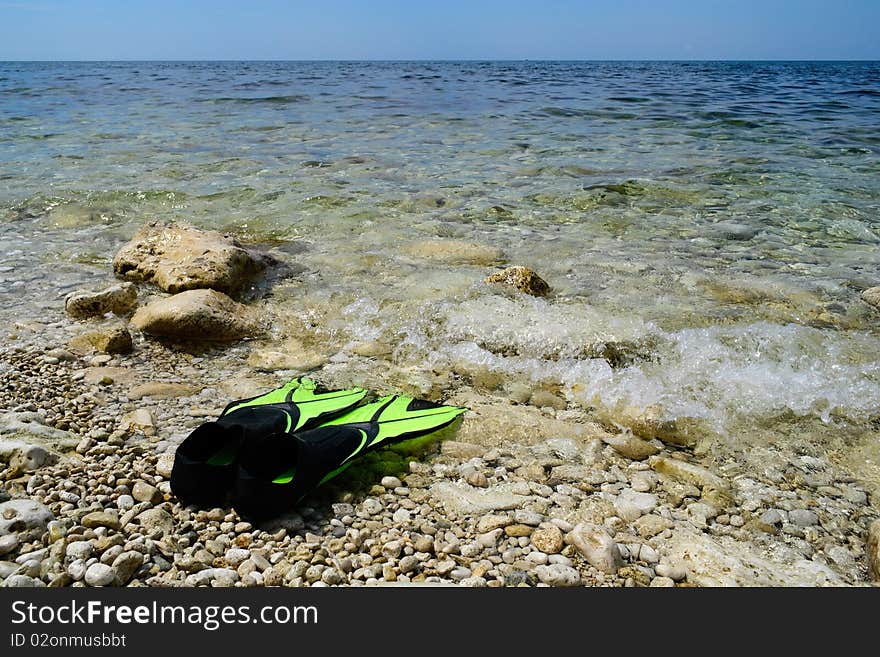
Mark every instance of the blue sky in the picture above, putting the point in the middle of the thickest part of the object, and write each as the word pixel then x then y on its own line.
pixel 451 29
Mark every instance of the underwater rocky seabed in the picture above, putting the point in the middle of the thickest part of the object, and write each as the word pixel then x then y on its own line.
pixel 707 251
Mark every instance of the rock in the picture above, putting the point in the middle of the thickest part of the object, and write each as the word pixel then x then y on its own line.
pixel 196 315
pixel 23 516
pixel 731 230
pixel 651 422
pixel 548 539
pixel 100 574
pixel 119 299
pixel 79 550
pixel 28 428
pixel 596 546
pixel 112 339
pixel 628 445
pixel 126 565
pixel 872 296
pixel 476 478
pixel 690 473
pixel 8 544
pixel 631 505
pixel 153 519
pixel 460 450
pixel 674 572
pixel 558 575
pixel 22 457
pixel 162 390
pixel 803 518
pixel 165 464
pixel 109 519
pixel 455 252
pixel 144 492
pixel 7 568
pixel 873 550
pixel 400 516
pixel 464 499
pixel 236 556
pixel 372 506
pixel 223 576
pixel 372 349
pixel 770 520
pixel 518 530
pixel 108 375
pixel 391 482
pixel 648 554
pixel 180 258
pixel 408 564
pixel 289 354
pixel 521 278
pixel 569 472
pixel 490 522
pixel 662 582
pixel 544 399
pixel 725 561
pixel 21 581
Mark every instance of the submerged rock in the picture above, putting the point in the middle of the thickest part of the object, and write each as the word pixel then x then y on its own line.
pixel 725 562
pixel 522 278
pixel 118 299
pixel 196 315
pixel 630 446
pixel 179 258
pixel 465 499
pixel 455 252
pixel 872 296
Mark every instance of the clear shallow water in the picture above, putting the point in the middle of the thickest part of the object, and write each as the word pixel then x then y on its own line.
pixel 716 219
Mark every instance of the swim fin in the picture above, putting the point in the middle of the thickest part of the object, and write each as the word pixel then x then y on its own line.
pixel 205 463
pixel 276 470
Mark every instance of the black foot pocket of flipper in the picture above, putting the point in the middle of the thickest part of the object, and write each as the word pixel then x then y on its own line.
pixel 204 465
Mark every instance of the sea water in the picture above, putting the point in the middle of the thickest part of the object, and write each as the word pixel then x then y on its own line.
pixel 710 225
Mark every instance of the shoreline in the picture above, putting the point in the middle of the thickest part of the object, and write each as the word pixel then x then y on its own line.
pixel 468 514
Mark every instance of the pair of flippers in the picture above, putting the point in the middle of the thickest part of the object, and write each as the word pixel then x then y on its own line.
pixel 270 451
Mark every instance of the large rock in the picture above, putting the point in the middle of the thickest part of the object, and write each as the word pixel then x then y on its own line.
pixel 727 562
pixel 179 258
pixel 874 550
pixel 23 515
pixel 468 500
pixel 521 278
pixel 196 315
pixel 28 427
pixel 22 457
pixel 118 299
pixel 596 546
pixel 872 296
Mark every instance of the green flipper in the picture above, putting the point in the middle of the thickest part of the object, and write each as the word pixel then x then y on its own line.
pixel 205 464
pixel 305 403
pixel 276 471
